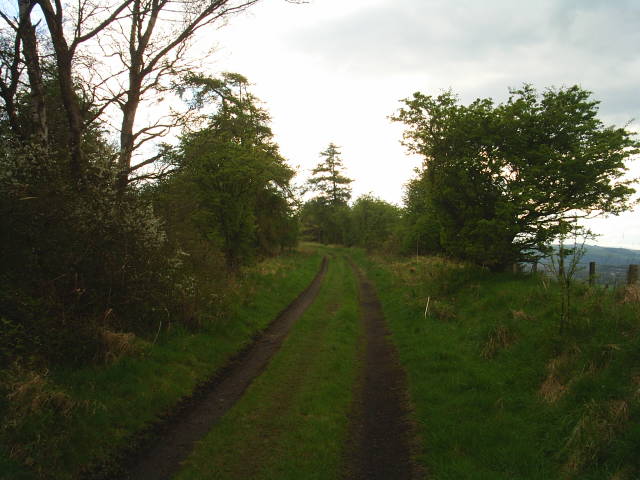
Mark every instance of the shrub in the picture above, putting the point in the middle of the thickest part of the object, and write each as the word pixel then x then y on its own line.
pixel 72 255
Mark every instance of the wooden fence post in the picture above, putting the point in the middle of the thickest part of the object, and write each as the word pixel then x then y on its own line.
pixel 592 273
pixel 632 275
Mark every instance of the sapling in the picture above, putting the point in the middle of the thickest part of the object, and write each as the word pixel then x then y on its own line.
pixel 565 263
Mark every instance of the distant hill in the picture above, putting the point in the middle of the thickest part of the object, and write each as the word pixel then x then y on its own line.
pixel 611 263
pixel 610 256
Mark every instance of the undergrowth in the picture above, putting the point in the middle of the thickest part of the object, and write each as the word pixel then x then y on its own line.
pixel 500 393
pixel 57 423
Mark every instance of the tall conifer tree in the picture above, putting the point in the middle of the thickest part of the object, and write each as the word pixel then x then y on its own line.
pixel 327 179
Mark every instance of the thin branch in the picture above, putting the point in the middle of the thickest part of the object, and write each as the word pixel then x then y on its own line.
pixel 9 21
pixel 108 21
pixel 148 161
pixel 200 21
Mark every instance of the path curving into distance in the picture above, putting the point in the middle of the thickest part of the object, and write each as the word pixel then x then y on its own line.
pixel 381 435
pixel 175 442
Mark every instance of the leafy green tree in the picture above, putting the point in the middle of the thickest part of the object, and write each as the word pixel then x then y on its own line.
pixel 233 177
pixel 420 233
pixel 84 250
pixel 375 222
pixel 502 181
pixel 324 223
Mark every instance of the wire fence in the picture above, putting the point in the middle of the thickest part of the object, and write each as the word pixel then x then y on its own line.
pixel 598 273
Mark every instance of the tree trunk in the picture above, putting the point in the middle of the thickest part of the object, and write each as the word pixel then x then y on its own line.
pixel 27 33
pixel 129 111
pixel 137 45
pixel 10 108
pixel 64 60
pixel 126 142
pixel 8 93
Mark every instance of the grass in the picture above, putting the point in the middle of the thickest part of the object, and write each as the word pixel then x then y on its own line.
pixel 498 392
pixel 292 421
pixel 57 423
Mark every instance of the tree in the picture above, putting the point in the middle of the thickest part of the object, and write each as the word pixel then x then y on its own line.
pixel 232 175
pixel 324 223
pixel 151 51
pixel 85 250
pixel 64 51
pixel 19 50
pixel 326 217
pixel 564 264
pixel 419 226
pixel 374 222
pixel 148 38
pixel 502 181
pixel 327 179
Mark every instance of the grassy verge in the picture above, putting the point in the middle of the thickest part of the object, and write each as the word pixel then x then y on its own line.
pixel 498 392
pixel 292 421
pixel 59 422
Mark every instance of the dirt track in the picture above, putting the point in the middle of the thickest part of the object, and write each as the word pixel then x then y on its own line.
pixel 381 435
pixel 162 458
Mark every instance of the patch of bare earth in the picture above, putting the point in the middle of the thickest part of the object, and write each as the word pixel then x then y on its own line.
pixel 381 434
pixel 171 442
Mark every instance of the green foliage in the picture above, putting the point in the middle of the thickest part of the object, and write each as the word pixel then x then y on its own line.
pixel 327 179
pixel 75 260
pixel 375 223
pixel 421 233
pixel 498 393
pixel 231 183
pixel 501 181
pixel 61 420
pixel 325 223
pixel 85 257
pixel 326 217
pixel 565 262
pixel 90 272
pixel 77 257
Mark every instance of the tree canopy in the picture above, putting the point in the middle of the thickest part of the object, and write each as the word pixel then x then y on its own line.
pixel 500 181
pixel 233 175
pixel 375 222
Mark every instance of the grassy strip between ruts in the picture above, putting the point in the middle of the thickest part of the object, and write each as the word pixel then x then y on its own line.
pixel 498 392
pixel 292 421
pixel 66 419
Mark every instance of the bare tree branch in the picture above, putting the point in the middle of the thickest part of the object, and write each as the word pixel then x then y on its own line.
pixel 95 31
pixel 149 56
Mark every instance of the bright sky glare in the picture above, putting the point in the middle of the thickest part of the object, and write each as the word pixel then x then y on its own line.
pixel 333 71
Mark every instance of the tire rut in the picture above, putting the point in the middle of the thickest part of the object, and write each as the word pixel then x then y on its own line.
pixel 381 435
pixel 162 456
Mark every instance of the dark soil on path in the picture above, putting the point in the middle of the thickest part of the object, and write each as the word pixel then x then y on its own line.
pixel 171 442
pixel 381 435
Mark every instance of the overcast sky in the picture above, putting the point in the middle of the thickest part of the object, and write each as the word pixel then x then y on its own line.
pixel 334 70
